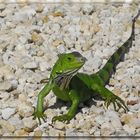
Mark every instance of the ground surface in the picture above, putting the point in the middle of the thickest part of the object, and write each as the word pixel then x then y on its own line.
pixel 32 35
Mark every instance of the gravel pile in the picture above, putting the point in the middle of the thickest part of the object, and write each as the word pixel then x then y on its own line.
pixel 31 37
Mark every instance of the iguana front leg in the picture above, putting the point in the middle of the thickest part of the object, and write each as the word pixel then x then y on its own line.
pixel 109 97
pixel 38 113
pixel 72 111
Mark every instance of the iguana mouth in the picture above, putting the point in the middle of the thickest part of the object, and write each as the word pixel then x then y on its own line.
pixel 63 79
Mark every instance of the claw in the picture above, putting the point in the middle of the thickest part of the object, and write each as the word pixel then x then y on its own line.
pixel 62 118
pixel 116 101
pixel 39 116
pixel 108 103
pixel 114 106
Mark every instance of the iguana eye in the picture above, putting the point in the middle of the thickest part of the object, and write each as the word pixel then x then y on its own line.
pixel 69 58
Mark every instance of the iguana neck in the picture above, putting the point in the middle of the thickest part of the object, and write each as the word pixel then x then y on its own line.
pixel 63 79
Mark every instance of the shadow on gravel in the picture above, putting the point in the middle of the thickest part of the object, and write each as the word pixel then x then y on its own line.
pixel 60 103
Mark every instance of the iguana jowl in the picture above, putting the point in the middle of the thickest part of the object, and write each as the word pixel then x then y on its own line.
pixel 69 85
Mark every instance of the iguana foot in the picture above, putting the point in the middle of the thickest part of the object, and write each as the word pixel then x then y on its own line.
pixel 63 118
pixel 39 115
pixel 116 101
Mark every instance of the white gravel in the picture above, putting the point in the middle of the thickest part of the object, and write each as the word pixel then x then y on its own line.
pixel 31 37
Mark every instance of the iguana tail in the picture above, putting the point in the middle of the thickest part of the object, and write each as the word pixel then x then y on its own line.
pixel 106 72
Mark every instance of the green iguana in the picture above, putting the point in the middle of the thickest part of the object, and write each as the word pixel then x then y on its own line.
pixel 69 85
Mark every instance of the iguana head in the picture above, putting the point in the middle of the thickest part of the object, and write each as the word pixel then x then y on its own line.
pixel 67 66
pixel 68 62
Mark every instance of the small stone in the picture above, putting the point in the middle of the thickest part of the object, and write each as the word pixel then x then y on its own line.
pixel 2 15
pixel 84 124
pixel 129 129
pixel 50 113
pixel 16 121
pixel 30 65
pixel 57 14
pixel 114 118
pixel 135 107
pixel 14 84
pixel 59 125
pixel 1 132
pixel 45 19
pixel 117 91
pixel 87 8
pixel 38 133
pixel 23 39
pixel 95 28
pixel 5 86
pixel 6 126
pixel 100 119
pixel 55 132
pixel 43 65
pixel 137 54
pixel 39 8
pixel 21 132
pixel 7 72
pixel 97 62
pixel 135 123
pixel 107 129
pixel 97 133
pixel 2 6
pixel 127 118
pixel 139 114
pixel 8 112
pixel 40 53
pixel 57 42
pixel 4 95
pixel 132 102
pixel 29 124
pixel 25 109
pixel 61 48
pixel 37 38
pixel 86 46
pixel 56 28
pixel 45 10
pixel 22 97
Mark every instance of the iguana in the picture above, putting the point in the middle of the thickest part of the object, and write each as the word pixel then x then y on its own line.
pixel 69 85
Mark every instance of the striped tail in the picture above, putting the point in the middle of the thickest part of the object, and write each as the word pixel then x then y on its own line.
pixel 106 72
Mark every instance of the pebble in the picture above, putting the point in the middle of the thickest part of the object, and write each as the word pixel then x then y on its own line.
pixel 97 62
pixel 16 121
pixel 57 43
pixel 5 86
pixel 136 123
pixel 114 118
pixel 127 118
pixel 4 95
pixel 60 125
pixel 38 133
pixel 37 38
pixel 6 126
pixel 2 6
pixel 30 65
pixel 85 124
pixel 55 132
pixel 8 112
pixel 21 132
pixel 107 129
pixel 129 129
pixel 29 124
pixel 25 109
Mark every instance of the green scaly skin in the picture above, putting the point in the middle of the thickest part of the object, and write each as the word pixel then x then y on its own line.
pixel 69 85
